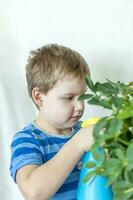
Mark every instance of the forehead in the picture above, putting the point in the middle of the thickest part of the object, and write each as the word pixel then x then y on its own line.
pixel 70 84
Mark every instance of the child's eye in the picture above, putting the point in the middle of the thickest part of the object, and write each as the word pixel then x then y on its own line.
pixel 68 98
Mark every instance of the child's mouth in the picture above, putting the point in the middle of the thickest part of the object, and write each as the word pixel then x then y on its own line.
pixel 76 117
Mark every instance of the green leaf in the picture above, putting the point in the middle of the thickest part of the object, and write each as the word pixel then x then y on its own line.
pixel 101 124
pixel 129 193
pixel 121 88
pixel 117 101
pixel 90 83
pixel 114 127
pixel 95 100
pixel 102 155
pixel 113 178
pixel 89 176
pixel 85 96
pixel 130 83
pixel 120 154
pixel 90 165
pixel 105 88
pixel 128 174
pixel 121 185
pixel 119 188
pixel 112 166
pixel 95 152
pixel 99 170
pixel 105 103
pixel 126 112
pixel 129 157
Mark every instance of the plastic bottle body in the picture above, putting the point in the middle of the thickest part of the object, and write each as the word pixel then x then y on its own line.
pixel 95 188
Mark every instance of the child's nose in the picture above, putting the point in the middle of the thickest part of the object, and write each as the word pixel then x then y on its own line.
pixel 79 105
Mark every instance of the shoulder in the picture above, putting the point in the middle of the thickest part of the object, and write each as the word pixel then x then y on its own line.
pixel 29 133
pixel 25 134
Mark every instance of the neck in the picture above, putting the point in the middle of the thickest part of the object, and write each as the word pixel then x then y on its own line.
pixel 47 127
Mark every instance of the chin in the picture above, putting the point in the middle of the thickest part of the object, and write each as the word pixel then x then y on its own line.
pixel 73 123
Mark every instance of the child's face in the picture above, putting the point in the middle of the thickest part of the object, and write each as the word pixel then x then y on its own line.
pixel 60 107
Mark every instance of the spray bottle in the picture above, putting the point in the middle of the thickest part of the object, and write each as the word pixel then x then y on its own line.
pixel 95 188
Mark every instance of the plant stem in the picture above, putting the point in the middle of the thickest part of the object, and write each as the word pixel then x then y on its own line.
pixel 122 141
pixel 128 190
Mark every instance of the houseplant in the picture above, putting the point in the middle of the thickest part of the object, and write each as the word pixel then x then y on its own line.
pixel 114 135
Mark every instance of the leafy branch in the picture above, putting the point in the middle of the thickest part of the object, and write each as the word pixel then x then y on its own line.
pixel 114 135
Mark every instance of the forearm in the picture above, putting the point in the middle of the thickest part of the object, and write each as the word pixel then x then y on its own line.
pixel 47 179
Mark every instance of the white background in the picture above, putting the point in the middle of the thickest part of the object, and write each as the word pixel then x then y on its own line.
pixel 101 30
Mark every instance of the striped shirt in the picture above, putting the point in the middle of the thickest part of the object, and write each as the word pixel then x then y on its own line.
pixel 32 145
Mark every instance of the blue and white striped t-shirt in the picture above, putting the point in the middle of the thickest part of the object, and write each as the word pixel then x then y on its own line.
pixel 32 145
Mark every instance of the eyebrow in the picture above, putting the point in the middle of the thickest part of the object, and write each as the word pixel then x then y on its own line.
pixel 69 94
pixel 72 94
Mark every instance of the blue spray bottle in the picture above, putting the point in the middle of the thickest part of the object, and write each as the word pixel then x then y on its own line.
pixel 95 188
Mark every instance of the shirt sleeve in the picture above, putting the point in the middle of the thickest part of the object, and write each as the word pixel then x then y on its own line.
pixel 25 150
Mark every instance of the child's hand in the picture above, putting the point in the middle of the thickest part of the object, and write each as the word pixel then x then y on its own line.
pixel 85 135
pixel 84 138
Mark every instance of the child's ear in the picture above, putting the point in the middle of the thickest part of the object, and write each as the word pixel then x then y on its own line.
pixel 37 96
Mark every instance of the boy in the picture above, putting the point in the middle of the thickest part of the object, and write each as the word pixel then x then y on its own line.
pixel 46 153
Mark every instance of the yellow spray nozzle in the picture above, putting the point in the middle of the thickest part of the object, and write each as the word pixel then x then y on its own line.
pixel 90 121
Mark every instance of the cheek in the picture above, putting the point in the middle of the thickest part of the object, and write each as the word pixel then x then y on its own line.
pixel 64 110
pixel 83 106
pixel 58 111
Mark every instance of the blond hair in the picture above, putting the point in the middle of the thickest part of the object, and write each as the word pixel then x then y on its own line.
pixel 50 63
